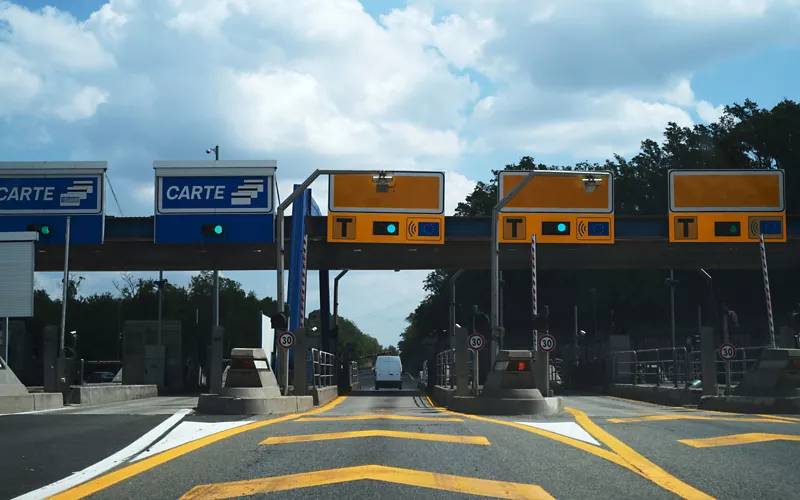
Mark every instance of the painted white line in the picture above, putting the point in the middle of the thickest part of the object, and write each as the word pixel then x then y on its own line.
pixel 186 432
pixel 569 429
pixel 106 464
pixel 34 412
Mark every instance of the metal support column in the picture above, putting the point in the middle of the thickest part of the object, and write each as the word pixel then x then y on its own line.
pixel 495 263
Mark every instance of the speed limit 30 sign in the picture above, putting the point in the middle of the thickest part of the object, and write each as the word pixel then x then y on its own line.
pixel 727 351
pixel 286 340
pixel 476 341
pixel 547 343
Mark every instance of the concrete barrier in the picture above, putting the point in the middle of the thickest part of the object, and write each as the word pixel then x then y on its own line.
pixel 90 395
pixel 15 398
pixel 751 404
pixel 324 395
pixel 225 405
pixel 667 396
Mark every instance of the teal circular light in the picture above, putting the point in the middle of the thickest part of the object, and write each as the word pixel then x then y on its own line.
pixel 45 230
pixel 391 229
pixel 732 228
pixel 562 227
pixel 217 229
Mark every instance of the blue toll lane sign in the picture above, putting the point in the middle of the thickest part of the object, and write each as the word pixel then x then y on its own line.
pixel 240 194
pixel 51 195
pixel 40 195
pixel 211 202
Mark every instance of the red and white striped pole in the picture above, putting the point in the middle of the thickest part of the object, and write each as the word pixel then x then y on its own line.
pixel 303 274
pixel 534 298
pixel 766 291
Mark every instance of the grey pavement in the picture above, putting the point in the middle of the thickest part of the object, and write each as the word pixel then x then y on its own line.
pixel 38 449
pixel 344 436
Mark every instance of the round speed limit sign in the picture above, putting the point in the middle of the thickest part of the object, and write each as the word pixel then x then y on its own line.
pixel 286 340
pixel 547 343
pixel 727 352
pixel 476 342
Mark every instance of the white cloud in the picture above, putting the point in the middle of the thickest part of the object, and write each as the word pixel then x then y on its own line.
pixel 708 112
pixel 435 85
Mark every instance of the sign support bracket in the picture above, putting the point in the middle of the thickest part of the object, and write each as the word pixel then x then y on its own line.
pixel 495 262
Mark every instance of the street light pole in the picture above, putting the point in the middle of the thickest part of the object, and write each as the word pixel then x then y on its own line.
pixel 64 291
pixel 495 262
pixel 672 283
pixel 453 279
pixel 336 296
pixel 215 298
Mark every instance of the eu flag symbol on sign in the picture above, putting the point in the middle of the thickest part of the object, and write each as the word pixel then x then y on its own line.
pixel 598 228
pixel 771 227
pixel 429 229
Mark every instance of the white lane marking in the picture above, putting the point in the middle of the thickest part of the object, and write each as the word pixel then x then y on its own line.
pixel 34 412
pixel 106 464
pixel 186 432
pixel 568 429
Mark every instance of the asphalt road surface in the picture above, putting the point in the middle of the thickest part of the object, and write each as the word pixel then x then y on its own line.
pixel 391 444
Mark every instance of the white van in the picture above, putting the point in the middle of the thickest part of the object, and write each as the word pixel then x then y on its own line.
pixel 388 372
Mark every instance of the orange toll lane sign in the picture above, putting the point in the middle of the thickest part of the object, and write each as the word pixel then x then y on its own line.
pixel 726 191
pixel 392 228
pixel 556 228
pixel 555 191
pixel 727 227
pixel 399 192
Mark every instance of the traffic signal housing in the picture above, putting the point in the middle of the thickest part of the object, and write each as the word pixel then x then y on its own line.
pixel 213 229
pixel 550 228
pixel 385 228
pixel 481 323
pixel 279 321
pixel 42 229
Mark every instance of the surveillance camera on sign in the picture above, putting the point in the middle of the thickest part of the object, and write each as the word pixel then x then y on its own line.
pixel 590 183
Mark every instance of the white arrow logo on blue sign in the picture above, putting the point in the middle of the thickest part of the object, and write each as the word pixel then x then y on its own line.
pixel 76 193
pixel 247 192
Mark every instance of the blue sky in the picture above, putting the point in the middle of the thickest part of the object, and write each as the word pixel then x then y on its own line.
pixel 461 86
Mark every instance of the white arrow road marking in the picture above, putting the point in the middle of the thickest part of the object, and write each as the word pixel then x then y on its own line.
pixel 568 429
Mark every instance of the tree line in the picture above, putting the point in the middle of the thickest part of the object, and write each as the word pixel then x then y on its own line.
pixel 98 319
pixel 635 302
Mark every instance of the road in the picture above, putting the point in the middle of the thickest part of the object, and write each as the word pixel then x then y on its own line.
pixel 395 444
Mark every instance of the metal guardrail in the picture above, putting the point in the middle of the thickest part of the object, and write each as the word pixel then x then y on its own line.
pixel 353 372
pixel 445 368
pixel 676 366
pixel 323 364
pixel 667 366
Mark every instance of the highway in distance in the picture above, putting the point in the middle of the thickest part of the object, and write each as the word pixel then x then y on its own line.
pixel 391 444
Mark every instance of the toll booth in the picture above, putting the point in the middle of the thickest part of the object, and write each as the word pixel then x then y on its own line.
pixel 144 361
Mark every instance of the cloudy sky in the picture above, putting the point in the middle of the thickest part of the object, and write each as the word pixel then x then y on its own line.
pixel 461 86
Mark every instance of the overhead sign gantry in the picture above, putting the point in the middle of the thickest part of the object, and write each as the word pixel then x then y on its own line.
pixel 215 201
pixel 39 196
pixel 558 207
pixel 391 207
pixel 726 206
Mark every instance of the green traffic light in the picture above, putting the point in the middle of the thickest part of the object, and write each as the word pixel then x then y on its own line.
pixel 391 229
pixel 217 229
pixel 45 230
pixel 562 227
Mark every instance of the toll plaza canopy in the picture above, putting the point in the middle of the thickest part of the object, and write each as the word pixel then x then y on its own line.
pixel 640 242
